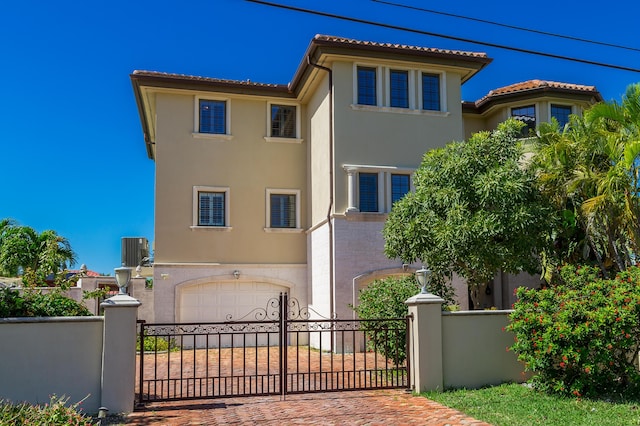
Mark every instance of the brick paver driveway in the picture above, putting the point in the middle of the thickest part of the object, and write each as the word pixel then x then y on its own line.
pixel 378 407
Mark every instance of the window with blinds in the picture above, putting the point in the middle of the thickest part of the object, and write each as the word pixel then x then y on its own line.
pixel 283 210
pixel 213 117
pixel 283 121
pixel 368 190
pixel 211 209
pixel 399 187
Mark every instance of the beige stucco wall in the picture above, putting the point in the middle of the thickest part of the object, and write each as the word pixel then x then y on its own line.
pixel 247 164
pixel 383 137
pixel 474 350
pixel 45 356
pixel 319 164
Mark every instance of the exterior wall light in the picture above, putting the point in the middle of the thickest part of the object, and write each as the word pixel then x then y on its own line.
pixel 423 274
pixel 236 274
pixel 123 275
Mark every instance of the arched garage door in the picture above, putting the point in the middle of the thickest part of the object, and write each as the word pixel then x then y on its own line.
pixel 215 301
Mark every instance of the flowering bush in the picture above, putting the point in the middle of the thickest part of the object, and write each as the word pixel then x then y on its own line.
pixel 582 335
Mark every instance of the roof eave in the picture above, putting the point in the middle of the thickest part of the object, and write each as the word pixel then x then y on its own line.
pixel 321 46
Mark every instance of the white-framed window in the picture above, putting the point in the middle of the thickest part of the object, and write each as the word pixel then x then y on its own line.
pixel 283 210
pixel 431 91
pixel 526 114
pixel 283 122
pixel 366 85
pixel 212 118
pixel 561 113
pixel 374 189
pixel 405 90
pixel 399 92
pixel 211 207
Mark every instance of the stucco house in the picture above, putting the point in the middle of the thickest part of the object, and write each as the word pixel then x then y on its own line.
pixel 264 188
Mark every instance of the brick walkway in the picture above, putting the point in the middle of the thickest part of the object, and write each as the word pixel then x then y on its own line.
pixel 379 407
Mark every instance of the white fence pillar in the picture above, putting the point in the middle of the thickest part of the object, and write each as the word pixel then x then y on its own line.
pixel 426 342
pixel 119 353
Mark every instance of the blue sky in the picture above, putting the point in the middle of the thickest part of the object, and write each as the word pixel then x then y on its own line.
pixel 73 156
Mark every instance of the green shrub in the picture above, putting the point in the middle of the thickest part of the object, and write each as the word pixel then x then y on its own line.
pixel 157 344
pixel 34 303
pixel 55 413
pixel 582 335
pixel 385 298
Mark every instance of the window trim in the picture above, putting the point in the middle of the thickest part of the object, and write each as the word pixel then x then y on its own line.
pixel 196 118
pixel 269 138
pixel 267 212
pixel 196 211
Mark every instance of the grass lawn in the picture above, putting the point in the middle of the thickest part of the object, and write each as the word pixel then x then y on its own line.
pixel 518 405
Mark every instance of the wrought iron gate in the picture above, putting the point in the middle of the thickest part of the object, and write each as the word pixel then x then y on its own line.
pixel 281 351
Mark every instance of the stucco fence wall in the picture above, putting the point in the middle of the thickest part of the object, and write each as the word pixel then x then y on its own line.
pixel 459 349
pixel 80 358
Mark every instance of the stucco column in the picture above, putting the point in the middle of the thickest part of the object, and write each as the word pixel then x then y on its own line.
pixel 119 353
pixel 351 182
pixel 426 342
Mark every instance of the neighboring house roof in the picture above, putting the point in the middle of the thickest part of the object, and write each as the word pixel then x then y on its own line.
pixel 531 88
pixel 87 273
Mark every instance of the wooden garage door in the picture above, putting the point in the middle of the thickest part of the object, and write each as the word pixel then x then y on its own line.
pixel 221 301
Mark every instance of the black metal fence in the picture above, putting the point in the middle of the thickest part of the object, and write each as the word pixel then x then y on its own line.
pixel 282 351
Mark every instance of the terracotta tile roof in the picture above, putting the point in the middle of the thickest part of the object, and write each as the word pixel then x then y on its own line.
pixel 537 85
pixel 186 77
pixel 352 42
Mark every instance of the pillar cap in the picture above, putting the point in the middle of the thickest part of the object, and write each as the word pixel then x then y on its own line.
pixel 424 299
pixel 120 300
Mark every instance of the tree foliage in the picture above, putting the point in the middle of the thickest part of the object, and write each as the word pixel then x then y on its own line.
pixel 23 248
pixel 590 171
pixel 475 210
pixel 31 302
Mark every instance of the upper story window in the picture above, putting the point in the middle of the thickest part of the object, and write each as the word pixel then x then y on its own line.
pixel 368 190
pixel 399 89
pixel 404 91
pixel 211 207
pixel 213 116
pixel 431 92
pixel 283 209
pixel 283 121
pixel 400 185
pixel 561 113
pixel 367 86
pixel 374 189
pixel 526 114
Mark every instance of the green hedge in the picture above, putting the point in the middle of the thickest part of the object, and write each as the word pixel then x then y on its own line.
pixel 33 303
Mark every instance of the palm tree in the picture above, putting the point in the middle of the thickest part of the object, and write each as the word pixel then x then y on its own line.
pixel 22 248
pixel 590 171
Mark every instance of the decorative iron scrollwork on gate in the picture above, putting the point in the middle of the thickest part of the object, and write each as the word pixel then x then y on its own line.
pixel 273 309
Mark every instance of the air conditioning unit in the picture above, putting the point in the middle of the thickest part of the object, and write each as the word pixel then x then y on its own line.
pixel 134 251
